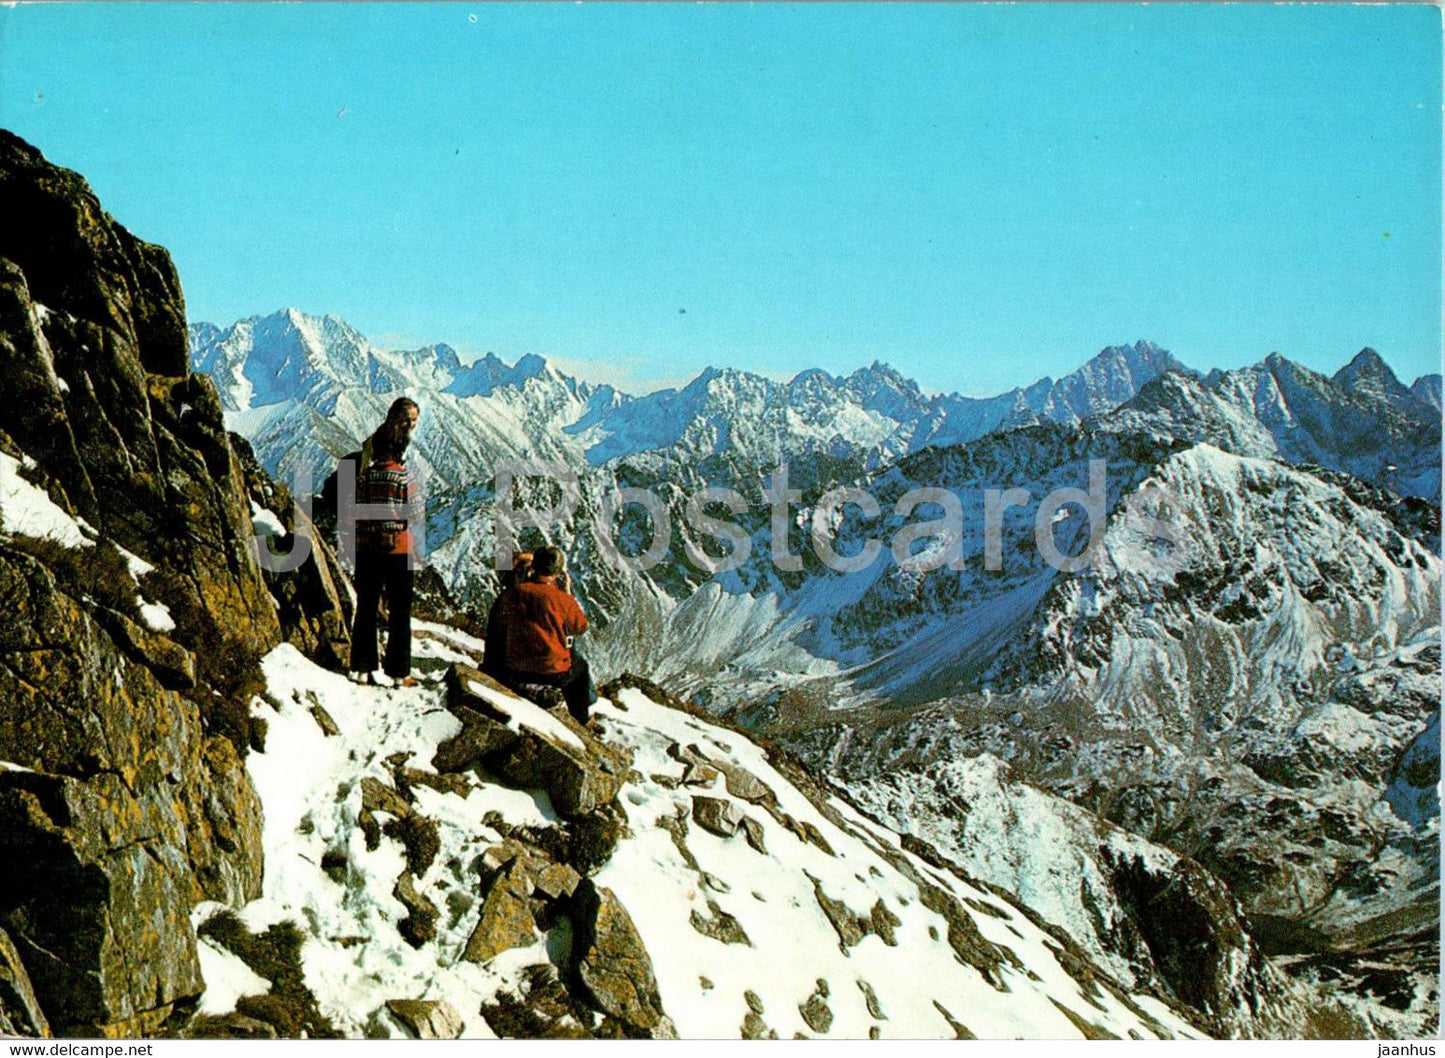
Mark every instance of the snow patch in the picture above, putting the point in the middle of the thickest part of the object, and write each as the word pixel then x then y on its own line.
pixel 28 510
pixel 521 713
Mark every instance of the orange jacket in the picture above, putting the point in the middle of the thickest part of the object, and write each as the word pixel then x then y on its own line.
pixel 538 618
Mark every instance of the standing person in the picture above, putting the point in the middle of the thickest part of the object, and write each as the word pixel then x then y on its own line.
pixel 540 617
pixel 384 557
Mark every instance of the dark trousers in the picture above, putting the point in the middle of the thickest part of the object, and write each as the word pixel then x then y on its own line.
pixel 373 574
pixel 575 685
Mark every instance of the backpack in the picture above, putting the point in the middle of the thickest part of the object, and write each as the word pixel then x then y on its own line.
pixel 323 506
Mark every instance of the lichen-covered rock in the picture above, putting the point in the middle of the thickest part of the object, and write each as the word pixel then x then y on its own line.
pixel 128 799
pixel 96 899
pixel 420 925
pixel 174 666
pixel 506 918
pixel 223 817
pixel 427 1019
pixel 613 963
pixel 134 807
pixel 816 1013
pixel 20 1013
pixel 557 880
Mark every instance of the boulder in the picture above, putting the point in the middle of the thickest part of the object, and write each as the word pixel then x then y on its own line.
pixel 744 784
pixel 612 962
pixel 579 772
pixel 479 738
pixel 506 918
pixel 577 782
pixel 718 815
pixel 753 831
pixel 376 796
pixel 427 1019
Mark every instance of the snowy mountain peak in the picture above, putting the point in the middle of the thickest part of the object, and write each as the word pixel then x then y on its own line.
pixel 1427 389
pixel 812 376
pixel 479 378
pixel 1369 375
pixel 530 366
pixel 447 358
pixel 879 375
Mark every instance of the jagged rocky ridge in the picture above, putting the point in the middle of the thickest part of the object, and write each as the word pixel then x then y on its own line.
pixel 305 389
pixel 135 618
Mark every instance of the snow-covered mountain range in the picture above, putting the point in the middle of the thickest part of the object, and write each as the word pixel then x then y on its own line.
pixel 1186 789
pixel 654 874
pixel 1250 681
pixel 294 384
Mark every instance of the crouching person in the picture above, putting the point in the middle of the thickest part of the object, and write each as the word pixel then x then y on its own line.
pixel 537 618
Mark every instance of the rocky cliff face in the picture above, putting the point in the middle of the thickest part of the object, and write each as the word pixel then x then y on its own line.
pixel 135 613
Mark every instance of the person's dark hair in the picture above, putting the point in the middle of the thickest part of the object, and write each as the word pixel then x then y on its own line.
pixel 546 562
pixel 399 408
pixel 391 441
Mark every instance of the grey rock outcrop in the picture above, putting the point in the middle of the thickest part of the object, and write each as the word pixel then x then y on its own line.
pixel 580 773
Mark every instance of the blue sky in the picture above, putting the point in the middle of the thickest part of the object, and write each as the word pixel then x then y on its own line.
pixel 980 195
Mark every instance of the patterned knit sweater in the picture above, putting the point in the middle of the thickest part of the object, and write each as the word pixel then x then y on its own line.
pixel 385 482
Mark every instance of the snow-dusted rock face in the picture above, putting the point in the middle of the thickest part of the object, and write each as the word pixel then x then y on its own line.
pixel 1145 913
pixel 718 891
pixel 1243 695
pixel 1363 421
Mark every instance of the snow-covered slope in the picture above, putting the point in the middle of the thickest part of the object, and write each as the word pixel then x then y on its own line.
pixel 733 894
